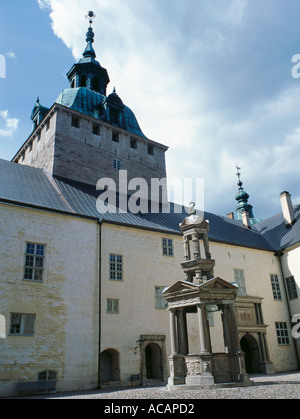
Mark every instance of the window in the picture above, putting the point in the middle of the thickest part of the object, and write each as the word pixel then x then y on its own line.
pixel 48 125
pixel 2 327
pixel 114 116
pixel 34 262
pixel 282 333
pixel 275 286
pixel 167 247
pixel 96 129
pixel 151 150
pixel 160 302
pixel 117 164
pixel 240 280
pixel 96 84
pixel 83 80
pixel 115 137
pixel 22 324
pixel 115 267
pixel 133 143
pixel 291 288
pixel 75 122
pixel 112 306
pixel 49 381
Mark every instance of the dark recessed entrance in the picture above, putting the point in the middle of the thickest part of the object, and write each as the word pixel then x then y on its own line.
pixel 153 361
pixel 252 358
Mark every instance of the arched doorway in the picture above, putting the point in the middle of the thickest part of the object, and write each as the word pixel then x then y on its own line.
pixel 153 358
pixel 109 366
pixel 252 357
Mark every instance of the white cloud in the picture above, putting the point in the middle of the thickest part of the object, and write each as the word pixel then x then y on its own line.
pixel 195 83
pixel 44 4
pixel 10 124
pixel 11 54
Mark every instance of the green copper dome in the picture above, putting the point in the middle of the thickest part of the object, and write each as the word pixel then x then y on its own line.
pixel 108 109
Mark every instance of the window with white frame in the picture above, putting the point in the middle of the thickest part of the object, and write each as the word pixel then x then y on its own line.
pixel 34 262
pixel 117 164
pixel 167 247
pixel 112 306
pixel 291 288
pixel 282 333
pixel 22 324
pixel 116 267
pixel 240 280
pixel 275 287
pixel 160 302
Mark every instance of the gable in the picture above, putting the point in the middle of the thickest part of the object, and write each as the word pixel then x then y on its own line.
pixel 217 283
pixel 181 286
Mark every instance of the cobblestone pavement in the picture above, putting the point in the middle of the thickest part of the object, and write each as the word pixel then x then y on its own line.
pixel 275 386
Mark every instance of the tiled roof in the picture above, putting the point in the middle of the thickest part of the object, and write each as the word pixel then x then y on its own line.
pixel 275 231
pixel 33 187
pixel 28 186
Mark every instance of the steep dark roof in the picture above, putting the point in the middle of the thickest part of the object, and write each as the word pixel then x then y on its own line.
pixel 34 187
pixel 275 231
pixel 28 186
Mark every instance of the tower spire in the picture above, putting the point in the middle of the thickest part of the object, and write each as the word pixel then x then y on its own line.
pixel 88 72
pixel 242 198
pixel 89 50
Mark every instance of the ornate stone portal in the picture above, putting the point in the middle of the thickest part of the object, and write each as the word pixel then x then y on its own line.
pixel 199 293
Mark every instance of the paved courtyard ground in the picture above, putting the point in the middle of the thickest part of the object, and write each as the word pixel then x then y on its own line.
pixel 275 386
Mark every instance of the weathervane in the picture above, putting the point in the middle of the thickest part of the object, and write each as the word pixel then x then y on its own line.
pixel 238 171
pixel 91 16
pixel 240 184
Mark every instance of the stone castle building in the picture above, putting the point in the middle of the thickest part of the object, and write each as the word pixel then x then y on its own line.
pixel 81 291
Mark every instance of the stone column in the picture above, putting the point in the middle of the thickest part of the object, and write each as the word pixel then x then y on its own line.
pixel 176 361
pixel 173 333
pixel 234 330
pixel 186 248
pixel 206 246
pixel 182 333
pixel 227 341
pixel 203 330
pixel 231 338
pixel 267 364
pixel 196 246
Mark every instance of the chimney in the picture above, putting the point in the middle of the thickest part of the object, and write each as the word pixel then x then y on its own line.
pixel 230 215
pixel 287 208
pixel 246 219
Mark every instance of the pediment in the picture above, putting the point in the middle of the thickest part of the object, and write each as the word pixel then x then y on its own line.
pixel 181 286
pixel 217 283
pixel 212 284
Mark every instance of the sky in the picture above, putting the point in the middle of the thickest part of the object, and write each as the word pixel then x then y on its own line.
pixel 214 80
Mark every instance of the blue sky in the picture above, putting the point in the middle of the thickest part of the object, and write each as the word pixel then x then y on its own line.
pixel 211 79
